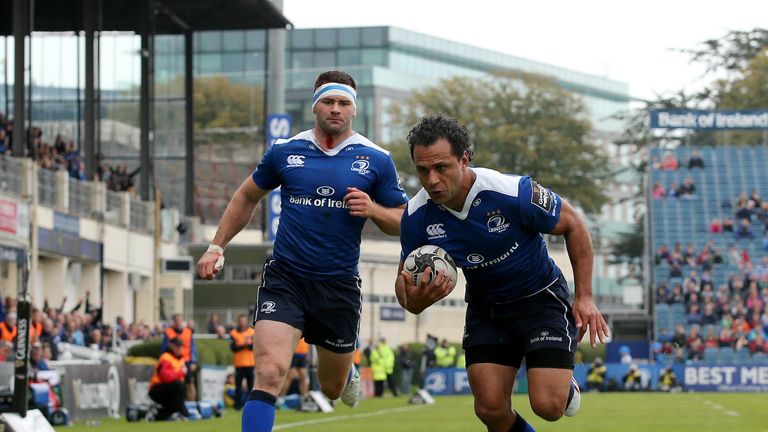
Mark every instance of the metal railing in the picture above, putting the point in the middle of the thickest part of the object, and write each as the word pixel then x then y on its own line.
pixel 47 187
pixel 10 175
pixel 81 195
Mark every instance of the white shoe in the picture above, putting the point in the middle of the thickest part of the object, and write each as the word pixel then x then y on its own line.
pixel 575 404
pixel 351 394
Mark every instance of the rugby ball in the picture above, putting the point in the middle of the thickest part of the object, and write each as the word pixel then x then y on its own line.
pixel 433 257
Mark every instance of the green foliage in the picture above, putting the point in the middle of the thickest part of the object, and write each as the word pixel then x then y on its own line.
pixel 219 103
pixel 150 348
pixel 520 123
pixel 209 351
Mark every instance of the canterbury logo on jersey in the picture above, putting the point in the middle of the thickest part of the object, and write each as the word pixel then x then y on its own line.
pixel 435 230
pixel 295 161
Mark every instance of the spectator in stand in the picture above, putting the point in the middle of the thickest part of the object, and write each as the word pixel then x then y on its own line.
pixel 692 279
pixel 658 191
pixel 710 340
pixel 680 339
pixel 661 293
pixel 669 162
pixel 673 190
pixel 694 317
pixel 707 294
pixel 662 254
pixel 755 197
pixel 679 357
pixel 695 161
pixel 759 344
pixel 677 294
pixel 655 164
pixel 715 226
pixel 746 212
pixel 687 190
pixel 744 259
pixel 727 225
pixel 689 256
pixel 741 201
pixel 709 317
pixel 675 271
pixel 51 337
pixel 717 256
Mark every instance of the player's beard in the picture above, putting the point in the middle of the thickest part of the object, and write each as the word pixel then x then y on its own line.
pixel 334 129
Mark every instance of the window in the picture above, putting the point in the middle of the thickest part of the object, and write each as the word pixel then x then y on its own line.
pixel 347 57
pixel 349 37
pixel 233 40
pixel 255 39
pixel 209 63
pixel 210 41
pixel 301 59
pixel 255 61
pixel 232 62
pixel 325 38
pixel 374 57
pixel 374 36
pixel 324 59
pixel 301 39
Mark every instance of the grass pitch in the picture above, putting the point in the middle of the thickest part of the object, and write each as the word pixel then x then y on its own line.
pixel 609 412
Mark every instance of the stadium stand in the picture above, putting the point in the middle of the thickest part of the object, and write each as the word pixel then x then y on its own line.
pixel 701 261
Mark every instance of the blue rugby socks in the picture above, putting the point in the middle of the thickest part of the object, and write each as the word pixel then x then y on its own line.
pixel 520 425
pixel 258 412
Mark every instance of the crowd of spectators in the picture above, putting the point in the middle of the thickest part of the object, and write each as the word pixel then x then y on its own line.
pixel 685 190
pixel 669 162
pixel 81 325
pixel 63 154
pixel 732 315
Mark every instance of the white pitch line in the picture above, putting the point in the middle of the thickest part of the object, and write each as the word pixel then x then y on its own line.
pixel 732 413
pixel 344 417
pixel 721 408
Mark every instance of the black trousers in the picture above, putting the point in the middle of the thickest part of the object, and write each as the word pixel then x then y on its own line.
pixel 378 388
pixel 391 384
pixel 242 373
pixel 170 397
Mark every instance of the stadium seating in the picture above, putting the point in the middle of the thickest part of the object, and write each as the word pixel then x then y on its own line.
pixel 728 172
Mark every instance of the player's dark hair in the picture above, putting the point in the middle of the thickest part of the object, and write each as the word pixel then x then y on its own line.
pixel 433 127
pixel 335 77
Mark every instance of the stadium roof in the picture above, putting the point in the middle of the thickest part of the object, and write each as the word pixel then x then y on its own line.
pixel 172 16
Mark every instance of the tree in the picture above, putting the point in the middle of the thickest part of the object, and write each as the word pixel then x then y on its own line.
pixel 219 103
pixel 521 123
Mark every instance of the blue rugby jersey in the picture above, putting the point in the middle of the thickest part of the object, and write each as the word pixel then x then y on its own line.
pixel 317 236
pixel 495 239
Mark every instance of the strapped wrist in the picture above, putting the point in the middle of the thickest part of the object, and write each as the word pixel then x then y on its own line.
pixel 215 249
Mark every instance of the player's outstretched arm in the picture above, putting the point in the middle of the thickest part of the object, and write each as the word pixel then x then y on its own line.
pixel 238 213
pixel 416 298
pixel 387 219
pixel 579 245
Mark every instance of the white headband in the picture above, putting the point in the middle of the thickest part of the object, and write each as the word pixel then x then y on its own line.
pixel 335 89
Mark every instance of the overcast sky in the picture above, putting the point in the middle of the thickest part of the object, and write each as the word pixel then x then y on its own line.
pixel 631 42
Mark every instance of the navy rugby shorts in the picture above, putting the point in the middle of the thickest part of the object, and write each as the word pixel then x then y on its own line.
pixel 539 327
pixel 326 311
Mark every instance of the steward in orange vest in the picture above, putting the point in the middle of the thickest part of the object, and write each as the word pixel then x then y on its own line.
pixel 8 328
pixel 242 348
pixel 166 387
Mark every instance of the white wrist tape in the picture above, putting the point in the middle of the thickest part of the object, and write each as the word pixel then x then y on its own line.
pixel 219 262
pixel 215 248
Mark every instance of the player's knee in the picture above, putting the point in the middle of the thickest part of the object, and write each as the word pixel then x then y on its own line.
pixel 549 409
pixel 489 411
pixel 270 375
